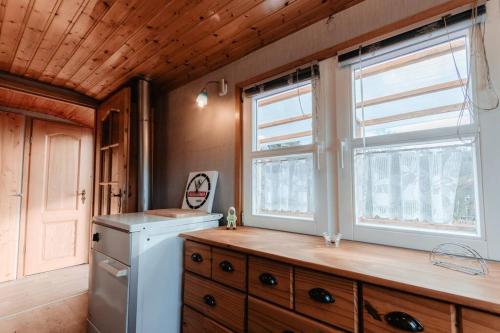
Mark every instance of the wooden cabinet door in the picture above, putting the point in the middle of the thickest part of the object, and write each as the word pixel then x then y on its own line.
pixel 11 161
pixel 59 193
pixel 114 190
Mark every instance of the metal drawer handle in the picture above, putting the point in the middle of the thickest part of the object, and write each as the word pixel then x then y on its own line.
pixel 321 295
pixel 196 257
pixel 209 300
pixel 403 322
pixel 112 270
pixel 268 279
pixel 226 266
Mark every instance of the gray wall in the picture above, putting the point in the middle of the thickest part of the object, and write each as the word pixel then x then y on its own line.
pixel 189 139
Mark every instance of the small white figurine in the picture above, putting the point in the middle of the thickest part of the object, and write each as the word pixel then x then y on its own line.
pixel 231 218
pixel 329 240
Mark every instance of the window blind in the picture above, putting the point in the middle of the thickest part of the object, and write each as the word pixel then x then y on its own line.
pixel 299 75
pixel 445 25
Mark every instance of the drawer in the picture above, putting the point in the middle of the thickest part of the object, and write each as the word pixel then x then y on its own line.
pixel 223 304
pixel 195 322
pixel 326 297
pixel 384 310
pixel 198 258
pixel 474 321
pixel 112 242
pixel 264 317
pixel 271 281
pixel 229 268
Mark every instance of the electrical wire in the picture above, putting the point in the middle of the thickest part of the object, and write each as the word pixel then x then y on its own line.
pixel 298 94
pixel 363 133
pixel 468 103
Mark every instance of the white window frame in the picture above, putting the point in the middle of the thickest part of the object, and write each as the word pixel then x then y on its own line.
pixel 417 239
pixel 318 224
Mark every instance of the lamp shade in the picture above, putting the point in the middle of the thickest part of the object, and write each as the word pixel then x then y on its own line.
pixel 202 99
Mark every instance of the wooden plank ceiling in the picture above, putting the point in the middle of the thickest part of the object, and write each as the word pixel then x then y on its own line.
pixel 95 46
pixel 12 100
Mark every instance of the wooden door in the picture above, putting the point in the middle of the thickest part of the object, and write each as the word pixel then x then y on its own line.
pixel 11 161
pixel 59 197
pixel 115 181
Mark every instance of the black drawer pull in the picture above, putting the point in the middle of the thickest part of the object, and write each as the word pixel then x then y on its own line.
pixel 403 322
pixel 321 295
pixel 209 300
pixel 196 257
pixel 287 331
pixel 268 279
pixel 226 266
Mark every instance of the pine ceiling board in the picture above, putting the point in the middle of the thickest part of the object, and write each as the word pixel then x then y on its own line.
pixel 105 27
pixel 3 5
pixel 266 31
pixel 138 19
pixel 84 25
pixel 199 62
pixel 95 46
pixel 148 38
pixel 202 28
pixel 14 20
pixel 19 100
pixel 152 64
pixel 223 36
pixel 185 19
pixel 62 23
pixel 36 26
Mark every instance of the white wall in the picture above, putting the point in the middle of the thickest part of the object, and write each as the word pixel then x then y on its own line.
pixel 189 139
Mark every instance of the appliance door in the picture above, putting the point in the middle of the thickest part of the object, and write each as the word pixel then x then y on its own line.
pixel 108 294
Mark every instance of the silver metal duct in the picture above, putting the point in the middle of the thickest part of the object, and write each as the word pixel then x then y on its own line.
pixel 145 145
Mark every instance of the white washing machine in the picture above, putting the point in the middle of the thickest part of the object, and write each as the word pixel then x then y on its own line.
pixel 136 272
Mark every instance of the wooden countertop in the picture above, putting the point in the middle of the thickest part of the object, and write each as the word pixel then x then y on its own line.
pixel 398 268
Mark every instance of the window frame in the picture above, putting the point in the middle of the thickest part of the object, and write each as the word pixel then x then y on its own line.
pixel 417 239
pixel 318 224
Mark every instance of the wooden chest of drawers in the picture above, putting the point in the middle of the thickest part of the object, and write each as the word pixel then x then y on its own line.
pixel 281 297
pixel 237 291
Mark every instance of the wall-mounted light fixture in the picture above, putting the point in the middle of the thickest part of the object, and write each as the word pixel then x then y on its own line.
pixel 202 98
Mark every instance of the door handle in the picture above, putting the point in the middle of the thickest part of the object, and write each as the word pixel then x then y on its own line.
pixel 83 193
pixel 112 270
pixel 19 195
pixel 119 196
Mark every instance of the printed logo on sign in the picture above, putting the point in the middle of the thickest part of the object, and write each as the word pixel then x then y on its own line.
pixel 198 190
pixel 194 194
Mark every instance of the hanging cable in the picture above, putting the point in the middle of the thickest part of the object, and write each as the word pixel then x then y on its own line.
pixel 468 103
pixel 363 134
pixel 298 92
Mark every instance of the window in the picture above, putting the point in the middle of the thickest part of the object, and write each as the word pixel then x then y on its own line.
pixel 280 158
pixel 411 156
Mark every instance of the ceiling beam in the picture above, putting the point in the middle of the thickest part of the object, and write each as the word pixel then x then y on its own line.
pixel 25 85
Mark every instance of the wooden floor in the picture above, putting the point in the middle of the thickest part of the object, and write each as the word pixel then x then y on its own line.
pixel 66 316
pixel 50 302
